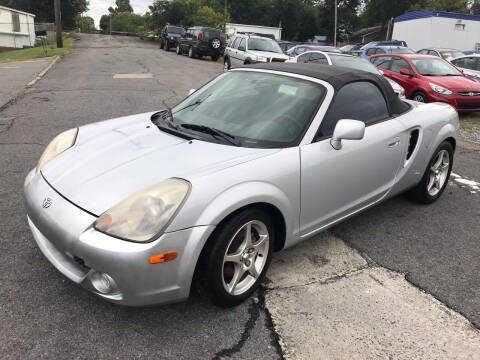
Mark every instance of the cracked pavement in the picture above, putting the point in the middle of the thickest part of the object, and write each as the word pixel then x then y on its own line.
pixel 398 280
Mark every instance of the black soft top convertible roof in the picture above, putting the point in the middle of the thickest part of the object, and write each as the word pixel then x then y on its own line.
pixel 338 77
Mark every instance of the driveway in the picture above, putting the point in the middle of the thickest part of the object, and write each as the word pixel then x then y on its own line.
pixel 423 255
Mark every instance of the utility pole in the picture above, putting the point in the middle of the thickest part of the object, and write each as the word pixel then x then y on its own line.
pixel 225 16
pixel 58 24
pixel 335 33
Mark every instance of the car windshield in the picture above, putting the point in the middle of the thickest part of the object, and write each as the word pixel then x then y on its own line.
pixel 176 30
pixel 435 67
pixel 264 45
pixel 330 49
pixel 347 47
pixel 401 50
pixel 452 54
pixel 256 109
pixel 354 63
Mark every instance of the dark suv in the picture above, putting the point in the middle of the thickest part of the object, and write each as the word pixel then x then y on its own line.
pixel 202 41
pixel 170 35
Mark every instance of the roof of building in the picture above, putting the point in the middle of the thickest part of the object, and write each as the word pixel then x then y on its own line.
pixel 422 14
pixel 338 77
pixel 15 10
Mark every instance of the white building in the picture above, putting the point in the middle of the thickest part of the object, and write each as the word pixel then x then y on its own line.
pixel 424 29
pixel 232 29
pixel 17 28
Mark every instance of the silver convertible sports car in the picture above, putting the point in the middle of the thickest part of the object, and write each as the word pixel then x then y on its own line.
pixel 137 209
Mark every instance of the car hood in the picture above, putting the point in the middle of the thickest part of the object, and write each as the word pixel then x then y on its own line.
pixel 269 54
pixel 455 83
pixel 115 158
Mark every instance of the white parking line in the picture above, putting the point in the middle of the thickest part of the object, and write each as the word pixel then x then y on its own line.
pixel 133 76
pixel 473 185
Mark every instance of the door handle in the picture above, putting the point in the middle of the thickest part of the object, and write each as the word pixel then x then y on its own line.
pixel 394 142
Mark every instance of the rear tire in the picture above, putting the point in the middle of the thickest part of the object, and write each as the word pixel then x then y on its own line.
pixel 232 264
pixel 436 176
pixel 420 97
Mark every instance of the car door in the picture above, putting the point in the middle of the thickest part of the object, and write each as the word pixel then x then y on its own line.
pixel 241 50
pixel 396 66
pixel 337 183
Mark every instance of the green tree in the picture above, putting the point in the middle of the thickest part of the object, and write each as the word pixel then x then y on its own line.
pixel 105 23
pixel 123 6
pixel 127 22
pixel 475 8
pixel 206 16
pixel 86 24
pixel 44 11
pixel 459 6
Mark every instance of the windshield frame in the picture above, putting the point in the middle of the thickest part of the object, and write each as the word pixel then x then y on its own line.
pixel 355 59
pixel 169 27
pixel 414 65
pixel 263 39
pixel 303 138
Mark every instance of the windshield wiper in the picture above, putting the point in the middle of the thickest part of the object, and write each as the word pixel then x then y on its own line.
pixel 212 131
pixel 198 102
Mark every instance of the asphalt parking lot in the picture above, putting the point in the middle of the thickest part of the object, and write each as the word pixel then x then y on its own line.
pixel 426 256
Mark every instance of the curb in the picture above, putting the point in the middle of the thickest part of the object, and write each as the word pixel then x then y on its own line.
pixel 43 72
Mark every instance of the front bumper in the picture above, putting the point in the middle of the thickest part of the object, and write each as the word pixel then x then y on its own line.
pixel 65 235
pixel 459 102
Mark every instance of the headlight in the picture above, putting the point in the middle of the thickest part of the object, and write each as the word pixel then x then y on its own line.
pixel 171 37
pixel 440 90
pixel 143 216
pixel 59 144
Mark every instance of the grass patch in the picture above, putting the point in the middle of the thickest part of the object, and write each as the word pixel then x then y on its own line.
pixel 36 52
pixel 473 118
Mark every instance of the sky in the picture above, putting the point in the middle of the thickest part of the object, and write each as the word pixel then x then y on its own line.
pixel 100 7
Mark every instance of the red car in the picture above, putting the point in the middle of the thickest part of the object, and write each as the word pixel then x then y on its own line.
pixel 428 78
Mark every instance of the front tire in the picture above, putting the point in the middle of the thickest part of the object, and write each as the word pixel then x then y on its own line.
pixel 226 64
pixel 236 258
pixel 420 97
pixel 436 176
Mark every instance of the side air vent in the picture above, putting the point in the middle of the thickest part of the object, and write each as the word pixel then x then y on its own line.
pixel 412 143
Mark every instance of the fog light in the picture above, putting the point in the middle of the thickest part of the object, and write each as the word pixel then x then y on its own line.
pixel 103 282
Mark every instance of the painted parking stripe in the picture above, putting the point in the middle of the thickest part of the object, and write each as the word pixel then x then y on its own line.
pixel 133 76
pixel 472 185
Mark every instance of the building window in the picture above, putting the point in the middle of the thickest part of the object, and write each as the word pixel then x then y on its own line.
pixel 460 27
pixel 15 22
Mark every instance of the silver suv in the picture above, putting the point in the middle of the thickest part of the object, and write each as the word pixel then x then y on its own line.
pixel 250 49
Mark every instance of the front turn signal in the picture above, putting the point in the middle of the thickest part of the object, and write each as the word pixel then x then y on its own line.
pixel 164 257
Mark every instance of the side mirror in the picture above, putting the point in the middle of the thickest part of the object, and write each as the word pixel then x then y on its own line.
pixel 406 72
pixel 347 130
pixel 191 91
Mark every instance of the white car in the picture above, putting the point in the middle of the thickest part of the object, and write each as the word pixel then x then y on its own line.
pixel 470 65
pixel 348 61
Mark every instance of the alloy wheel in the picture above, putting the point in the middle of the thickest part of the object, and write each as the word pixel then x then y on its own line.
pixel 419 98
pixel 245 257
pixel 438 173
